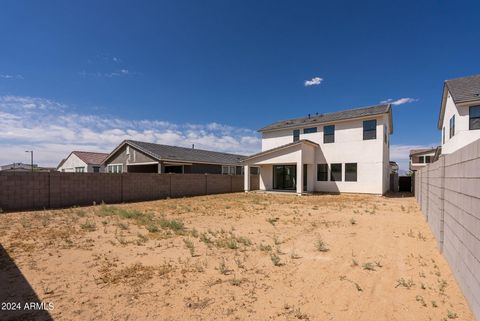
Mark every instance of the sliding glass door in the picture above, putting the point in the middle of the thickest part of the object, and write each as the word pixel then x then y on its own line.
pixel 284 177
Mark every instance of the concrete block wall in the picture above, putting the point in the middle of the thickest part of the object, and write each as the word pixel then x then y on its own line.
pixel 449 195
pixel 30 191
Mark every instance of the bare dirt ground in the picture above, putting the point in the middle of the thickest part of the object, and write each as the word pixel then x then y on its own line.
pixel 231 257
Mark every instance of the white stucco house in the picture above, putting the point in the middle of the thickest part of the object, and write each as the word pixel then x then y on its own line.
pixel 346 151
pixel 459 118
pixel 83 162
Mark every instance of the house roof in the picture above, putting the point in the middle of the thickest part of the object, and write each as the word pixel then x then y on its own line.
pixel 176 153
pixel 331 117
pixel 90 158
pixel 298 142
pixel 462 90
pixel 422 151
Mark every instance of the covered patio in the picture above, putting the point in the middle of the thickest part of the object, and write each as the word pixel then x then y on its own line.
pixel 288 168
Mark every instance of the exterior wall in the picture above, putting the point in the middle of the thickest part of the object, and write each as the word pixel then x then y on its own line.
pixel 71 162
pixel 463 136
pixel 448 192
pixel 29 191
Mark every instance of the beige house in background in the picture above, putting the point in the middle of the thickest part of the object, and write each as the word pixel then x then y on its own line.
pixel 83 162
pixel 419 158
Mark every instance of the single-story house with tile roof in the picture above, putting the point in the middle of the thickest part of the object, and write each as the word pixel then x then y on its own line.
pixel 142 157
pixel 83 162
pixel 346 151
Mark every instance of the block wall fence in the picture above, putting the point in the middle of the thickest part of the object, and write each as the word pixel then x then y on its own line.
pixel 31 191
pixel 448 192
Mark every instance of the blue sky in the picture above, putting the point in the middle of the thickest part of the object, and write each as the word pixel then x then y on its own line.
pixel 87 74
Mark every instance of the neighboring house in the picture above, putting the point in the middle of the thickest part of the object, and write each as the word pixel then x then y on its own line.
pixel 83 162
pixel 21 167
pixel 345 151
pixel 419 158
pixel 142 157
pixel 459 118
pixel 393 167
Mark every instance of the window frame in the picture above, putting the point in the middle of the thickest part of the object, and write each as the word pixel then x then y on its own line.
pixel 96 169
pixel 80 169
pixel 332 178
pixel 323 172
pixel 115 168
pixel 452 127
pixel 443 135
pixel 328 135
pixel 372 130
pixel 296 135
pixel 470 118
pixel 310 130
pixel 347 178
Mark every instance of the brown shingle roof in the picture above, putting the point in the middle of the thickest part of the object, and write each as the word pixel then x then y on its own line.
pixel 91 158
pixel 464 89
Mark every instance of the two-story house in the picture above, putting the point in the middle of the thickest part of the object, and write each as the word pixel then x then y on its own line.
pixel 459 118
pixel 346 151
pixel 419 158
pixel 83 162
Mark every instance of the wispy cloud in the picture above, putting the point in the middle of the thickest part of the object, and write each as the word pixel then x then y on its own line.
pixel 401 153
pixel 106 66
pixel 315 81
pixel 8 76
pixel 52 130
pixel 399 101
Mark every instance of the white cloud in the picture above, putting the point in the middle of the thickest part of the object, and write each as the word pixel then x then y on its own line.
pixel 399 101
pixel 53 130
pixel 313 82
pixel 7 76
pixel 401 154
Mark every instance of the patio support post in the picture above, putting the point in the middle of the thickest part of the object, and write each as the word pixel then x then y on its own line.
pixel 299 177
pixel 246 178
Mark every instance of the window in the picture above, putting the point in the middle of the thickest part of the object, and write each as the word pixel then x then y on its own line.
pixel 350 172
pixel 370 129
pixel 296 135
pixel 322 172
pixel 225 170
pixel 474 117
pixel 254 170
pixel 115 168
pixel 96 169
pixel 328 134
pixel 310 130
pixel 385 136
pixel 452 126
pixel 421 159
pixel 336 173
pixel 79 169
pixel 428 159
pixel 443 135
pixel 228 170
pixel 239 170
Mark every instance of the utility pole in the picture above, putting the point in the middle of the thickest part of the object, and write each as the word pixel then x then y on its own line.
pixel 31 157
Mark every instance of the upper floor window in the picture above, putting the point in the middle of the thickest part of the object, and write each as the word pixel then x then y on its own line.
pixel 329 134
pixel 296 135
pixel 310 130
pixel 428 159
pixel 370 129
pixel 474 117
pixel 385 136
pixel 452 126
pixel 115 168
pixel 443 135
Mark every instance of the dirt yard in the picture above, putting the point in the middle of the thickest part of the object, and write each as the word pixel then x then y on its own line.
pixel 230 257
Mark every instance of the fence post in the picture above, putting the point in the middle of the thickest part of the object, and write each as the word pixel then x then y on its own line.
pixel 442 202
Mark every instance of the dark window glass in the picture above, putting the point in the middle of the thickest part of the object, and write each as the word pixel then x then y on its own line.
pixel 96 169
pixel 310 130
pixel 254 170
pixel 452 126
pixel 428 159
pixel 328 134
pixel 350 172
pixel 336 174
pixel 370 129
pixel 421 159
pixel 474 117
pixel 322 172
pixel 296 135
pixel 443 135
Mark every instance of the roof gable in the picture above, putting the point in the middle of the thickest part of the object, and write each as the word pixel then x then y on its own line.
pixel 90 158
